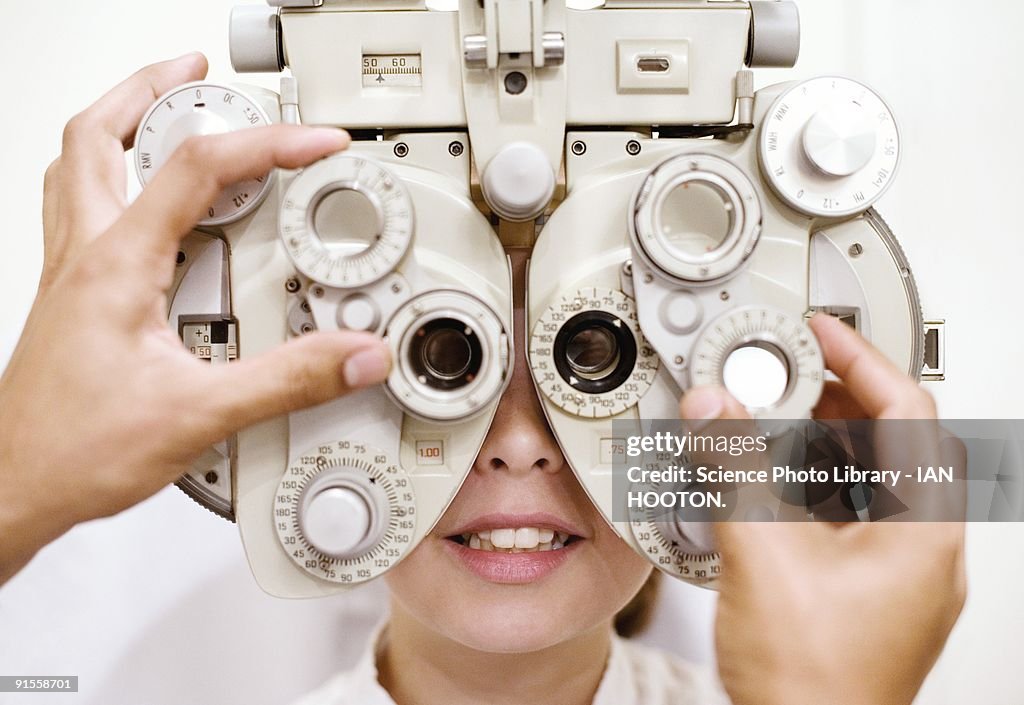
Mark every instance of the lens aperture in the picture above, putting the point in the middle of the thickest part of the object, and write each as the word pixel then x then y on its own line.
pixel 592 353
pixel 445 354
pixel 595 352
pixel 696 219
pixel 347 221
pixel 757 374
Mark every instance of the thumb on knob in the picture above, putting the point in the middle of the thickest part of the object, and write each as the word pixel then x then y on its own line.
pixel 703 405
pixel 302 373
pixel 743 545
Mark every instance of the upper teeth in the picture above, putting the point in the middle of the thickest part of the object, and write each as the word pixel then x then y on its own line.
pixel 527 538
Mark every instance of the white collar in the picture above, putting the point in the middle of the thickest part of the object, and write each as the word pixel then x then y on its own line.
pixel 634 675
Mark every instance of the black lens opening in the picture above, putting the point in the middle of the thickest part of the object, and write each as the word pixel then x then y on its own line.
pixel 445 354
pixel 595 352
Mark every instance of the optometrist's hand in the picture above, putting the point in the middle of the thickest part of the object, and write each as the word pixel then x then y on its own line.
pixel 96 406
pixel 853 614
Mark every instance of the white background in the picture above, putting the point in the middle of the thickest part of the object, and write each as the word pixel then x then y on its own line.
pixel 157 605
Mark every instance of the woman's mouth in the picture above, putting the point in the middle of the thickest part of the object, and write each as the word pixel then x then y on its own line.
pixel 526 539
pixel 512 553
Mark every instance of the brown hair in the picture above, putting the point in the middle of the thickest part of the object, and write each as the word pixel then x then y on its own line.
pixel 636 615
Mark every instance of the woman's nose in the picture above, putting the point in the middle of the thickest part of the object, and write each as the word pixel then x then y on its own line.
pixel 520 440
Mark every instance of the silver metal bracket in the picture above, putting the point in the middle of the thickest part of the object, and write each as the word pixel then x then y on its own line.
pixel 934 351
pixel 745 97
pixel 295 3
pixel 513 28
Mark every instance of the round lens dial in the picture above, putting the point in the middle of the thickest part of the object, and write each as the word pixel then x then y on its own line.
pixel 451 355
pixel 765 356
pixel 830 147
pixel 345 512
pixel 346 221
pixel 202 109
pixel 696 219
pixel 662 545
pixel 589 355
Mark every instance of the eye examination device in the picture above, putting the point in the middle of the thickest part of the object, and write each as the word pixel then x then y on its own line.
pixel 684 227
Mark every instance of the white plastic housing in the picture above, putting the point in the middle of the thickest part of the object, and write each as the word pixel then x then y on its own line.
pixel 255 39
pixel 774 34
pixel 519 183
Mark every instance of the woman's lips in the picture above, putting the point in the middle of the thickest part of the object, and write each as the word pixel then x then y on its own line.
pixel 511 568
pixel 514 549
pixel 504 520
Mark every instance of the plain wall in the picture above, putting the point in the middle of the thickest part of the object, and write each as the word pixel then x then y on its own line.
pixel 157 605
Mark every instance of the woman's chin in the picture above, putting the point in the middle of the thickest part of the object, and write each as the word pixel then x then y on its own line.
pixel 515 630
pixel 437 588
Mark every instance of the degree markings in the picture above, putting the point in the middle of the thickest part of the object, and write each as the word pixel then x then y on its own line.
pixel 382 254
pixel 798 182
pixel 234 108
pixel 544 335
pixel 383 475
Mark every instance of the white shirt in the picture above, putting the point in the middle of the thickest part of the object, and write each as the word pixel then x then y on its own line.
pixel 635 675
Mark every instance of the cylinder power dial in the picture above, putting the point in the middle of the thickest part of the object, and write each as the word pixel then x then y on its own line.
pixel 589 355
pixel 193 110
pixel 344 512
pixel 346 221
pixel 686 552
pixel 830 147
pixel 769 360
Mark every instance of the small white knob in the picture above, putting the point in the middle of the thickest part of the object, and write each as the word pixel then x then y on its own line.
pixel 774 34
pixel 255 39
pixel 358 312
pixel 519 182
pixel 840 140
pixel 335 521
pixel 682 312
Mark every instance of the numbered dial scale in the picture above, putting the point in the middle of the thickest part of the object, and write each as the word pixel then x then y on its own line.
pixel 357 262
pixel 665 547
pixel 345 512
pixel 830 147
pixel 193 110
pixel 392 70
pixel 784 336
pixel 589 355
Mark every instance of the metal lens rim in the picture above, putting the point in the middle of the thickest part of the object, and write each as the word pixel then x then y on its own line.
pixel 729 196
pixel 608 362
pixel 644 224
pixel 624 365
pixel 322 195
pixel 429 374
pixel 434 405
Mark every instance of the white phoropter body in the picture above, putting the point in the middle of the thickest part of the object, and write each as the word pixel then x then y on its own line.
pixel 722 278
pixel 830 147
pixel 671 262
pixel 196 109
pixel 326 498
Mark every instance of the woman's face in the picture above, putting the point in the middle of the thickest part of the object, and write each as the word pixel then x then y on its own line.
pixel 459 584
